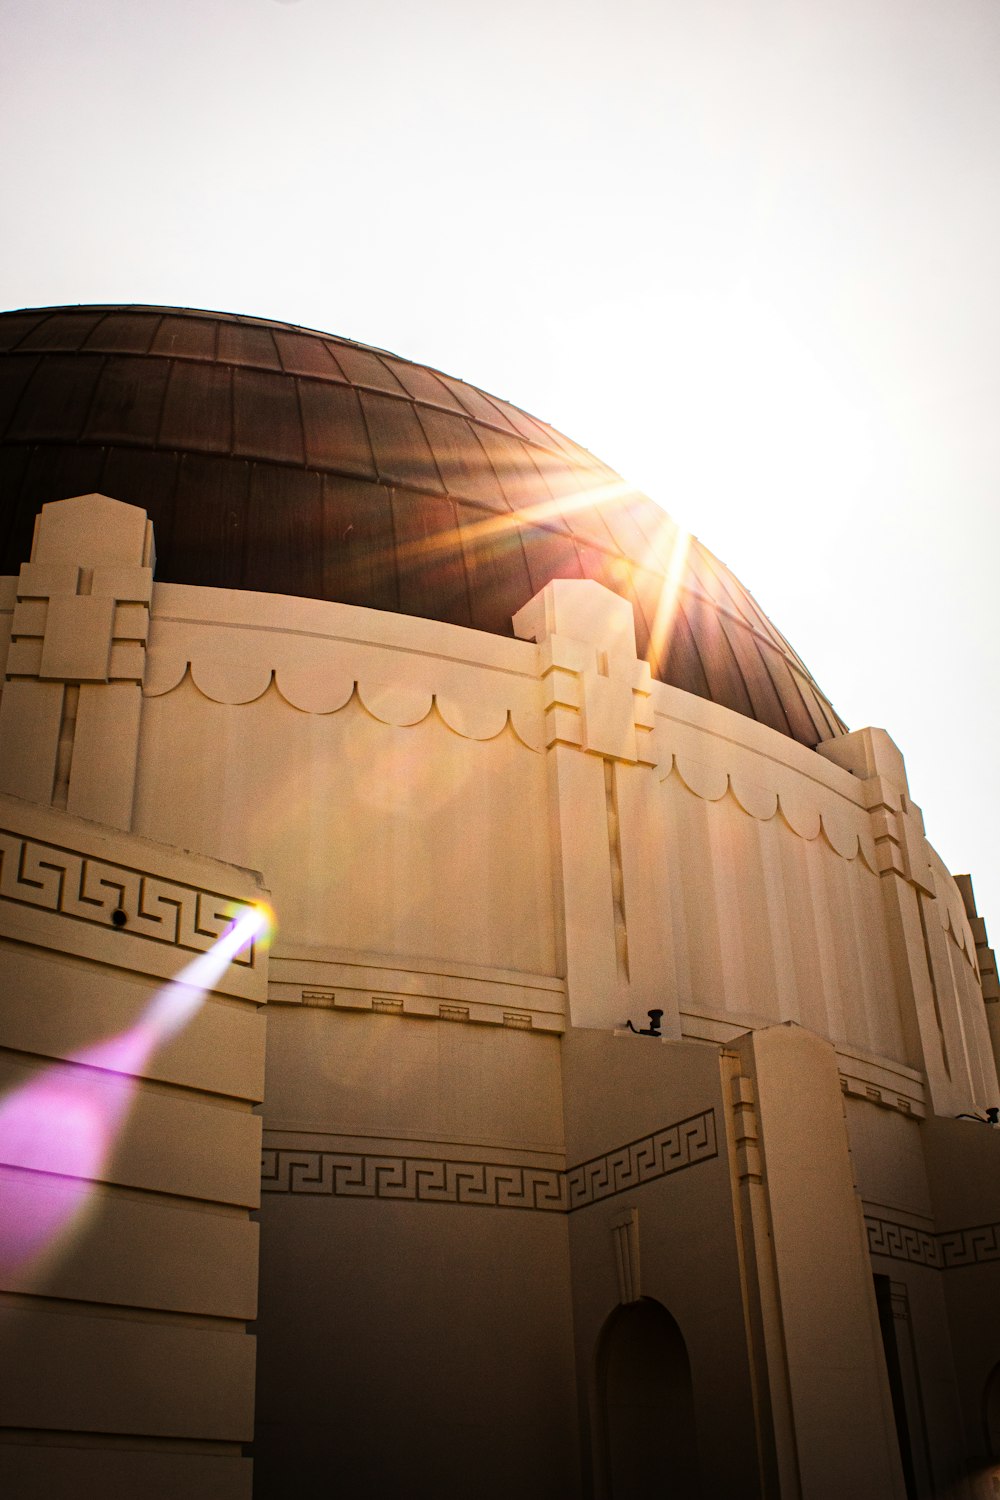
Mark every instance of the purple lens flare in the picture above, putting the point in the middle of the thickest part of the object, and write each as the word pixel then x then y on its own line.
pixel 58 1130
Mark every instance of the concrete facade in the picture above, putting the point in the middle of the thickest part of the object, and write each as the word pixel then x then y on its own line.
pixel 506 1244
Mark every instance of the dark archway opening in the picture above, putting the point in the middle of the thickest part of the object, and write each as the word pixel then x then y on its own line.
pixel 991 1414
pixel 647 1402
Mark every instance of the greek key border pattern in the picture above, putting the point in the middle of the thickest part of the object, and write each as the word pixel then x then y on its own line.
pixel 978 1245
pixel 424 1179
pixel 69 883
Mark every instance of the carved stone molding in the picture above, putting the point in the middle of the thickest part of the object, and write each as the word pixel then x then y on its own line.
pixel 625 1237
pixel 237 663
pixel 33 873
pixel 424 1179
pixel 945 1250
pixel 671 1149
pixel 75 887
pixel 345 981
pixel 844 826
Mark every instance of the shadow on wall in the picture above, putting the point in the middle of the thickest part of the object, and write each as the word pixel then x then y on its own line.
pixel 644 1379
pixel 991 1414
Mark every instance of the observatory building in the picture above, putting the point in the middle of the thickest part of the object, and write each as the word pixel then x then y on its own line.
pixel 609 1116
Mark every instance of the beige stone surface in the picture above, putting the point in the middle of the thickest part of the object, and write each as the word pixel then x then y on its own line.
pixel 34 1473
pixel 375 836
pixel 666 1099
pixel 54 1007
pixel 836 1376
pixel 61 878
pixel 30 717
pixel 187 1146
pixel 432 1351
pixel 120 1374
pixel 346 979
pixel 393 1076
pixel 69 721
pixel 126 1322
pixel 92 531
pixel 485 856
pixel 106 716
pixel 140 1250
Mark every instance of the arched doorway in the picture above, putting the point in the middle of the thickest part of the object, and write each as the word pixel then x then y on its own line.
pixel 991 1413
pixel 644 1376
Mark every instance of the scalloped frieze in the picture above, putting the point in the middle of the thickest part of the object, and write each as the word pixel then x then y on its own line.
pixel 846 829
pixel 320 676
pixel 951 908
pixel 396 701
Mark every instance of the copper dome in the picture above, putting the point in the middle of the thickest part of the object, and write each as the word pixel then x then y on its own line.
pixel 275 458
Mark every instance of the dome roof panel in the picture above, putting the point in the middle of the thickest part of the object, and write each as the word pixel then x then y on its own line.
pixel 242 344
pixel 335 433
pixel 266 419
pixel 587 523
pixel 283 558
pixel 198 408
pixel 209 511
pixel 800 722
pixel 525 426
pixel 495 567
pixel 402 452
pixel 130 472
pixel 276 458
pixel 432 580
pixel 363 367
pixel 422 385
pixel 121 333
pixel 305 356
pixel 519 478
pixel 549 555
pixel 679 660
pixel 58 397
pixel 628 535
pixel 15 327
pixel 128 399
pixel 760 685
pixel 186 338
pixel 68 331
pixel 15 374
pixel 358 544
pixel 478 405
pixel 461 459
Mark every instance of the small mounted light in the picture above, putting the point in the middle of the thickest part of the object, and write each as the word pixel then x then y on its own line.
pixel 653 1029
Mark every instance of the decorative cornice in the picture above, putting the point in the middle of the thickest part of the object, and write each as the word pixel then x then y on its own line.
pixel 77 887
pixel 986 959
pixel 237 664
pixel 844 826
pixel 345 981
pixel 56 879
pixel 424 1179
pixel 945 1250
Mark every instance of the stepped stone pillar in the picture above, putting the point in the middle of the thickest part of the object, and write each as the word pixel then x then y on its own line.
pixel 129 1145
pixel 72 695
pixel 607 838
pixel 951 1046
pixel 822 1389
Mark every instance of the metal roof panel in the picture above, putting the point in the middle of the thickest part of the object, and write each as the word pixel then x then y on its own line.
pixel 461 460
pixel 128 401
pixel 198 408
pixel 266 418
pixel 335 433
pixel 402 453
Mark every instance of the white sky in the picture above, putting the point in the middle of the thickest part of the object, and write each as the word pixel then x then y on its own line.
pixel 746 251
